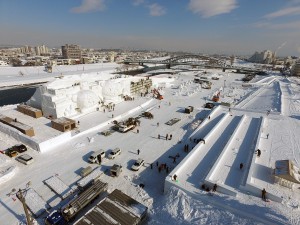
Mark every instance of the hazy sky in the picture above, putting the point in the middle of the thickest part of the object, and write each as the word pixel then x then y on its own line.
pixel 208 26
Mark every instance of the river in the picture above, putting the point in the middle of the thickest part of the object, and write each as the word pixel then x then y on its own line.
pixel 16 95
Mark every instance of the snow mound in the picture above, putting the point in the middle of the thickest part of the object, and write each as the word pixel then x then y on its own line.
pixel 178 208
pixel 7 173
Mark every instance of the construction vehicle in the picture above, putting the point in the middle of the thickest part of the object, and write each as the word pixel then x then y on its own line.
pixel 157 94
pixel 216 97
pixel 127 125
pixel 72 208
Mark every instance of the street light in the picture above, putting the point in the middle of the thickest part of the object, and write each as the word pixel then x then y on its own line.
pixel 21 193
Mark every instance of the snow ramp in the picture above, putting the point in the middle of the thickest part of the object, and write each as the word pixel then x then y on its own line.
pixel 226 172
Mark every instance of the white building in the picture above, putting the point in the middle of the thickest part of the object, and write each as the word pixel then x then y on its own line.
pixel 266 57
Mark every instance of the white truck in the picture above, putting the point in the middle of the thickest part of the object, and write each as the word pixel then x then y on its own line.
pixel 124 128
pixel 94 157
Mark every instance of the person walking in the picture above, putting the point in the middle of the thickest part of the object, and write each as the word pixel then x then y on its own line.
pixel 158 136
pixel 267 136
pixel 137 131
pixel 258 152
pixel 170 137
pixel 263 194
pixel 175 177
pixel 138 151
pixel 241 166
pixel 167 136
pixel 99 159
pixel 214 188
pixel 157 124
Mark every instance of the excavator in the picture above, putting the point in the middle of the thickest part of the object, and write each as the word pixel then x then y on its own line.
pixel 216 97
pixel 158 95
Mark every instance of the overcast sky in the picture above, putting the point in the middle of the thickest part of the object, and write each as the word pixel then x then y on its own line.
pixel 207 26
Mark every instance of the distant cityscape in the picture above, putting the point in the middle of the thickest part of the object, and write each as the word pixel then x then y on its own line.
pixel 71 54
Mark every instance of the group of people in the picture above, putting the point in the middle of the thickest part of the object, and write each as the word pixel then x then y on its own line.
pixel 186 148
pixel 162 166
pixel 206 188
pixel 167 137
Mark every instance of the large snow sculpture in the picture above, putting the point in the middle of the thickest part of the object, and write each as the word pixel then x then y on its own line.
pixel 86 100
pixel 112 91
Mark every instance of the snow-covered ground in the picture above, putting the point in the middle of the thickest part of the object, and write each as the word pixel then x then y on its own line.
pixel 231 137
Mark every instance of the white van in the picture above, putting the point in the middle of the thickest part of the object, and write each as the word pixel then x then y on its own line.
pixel 94 156
pixel 25 159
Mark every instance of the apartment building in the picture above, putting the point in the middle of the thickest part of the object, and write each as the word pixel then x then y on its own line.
pixel 71 51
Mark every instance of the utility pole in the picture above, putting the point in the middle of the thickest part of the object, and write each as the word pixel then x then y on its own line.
pixel 22 199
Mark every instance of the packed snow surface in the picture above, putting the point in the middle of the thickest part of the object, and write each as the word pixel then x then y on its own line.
pixel 268 105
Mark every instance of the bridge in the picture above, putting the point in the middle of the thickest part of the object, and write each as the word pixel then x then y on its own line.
pixel 192 60
pixel 196 60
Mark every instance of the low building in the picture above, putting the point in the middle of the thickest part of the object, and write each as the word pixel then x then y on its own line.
pixel 30 111
pixel 63 124
pixel 116 208
pixel 14 123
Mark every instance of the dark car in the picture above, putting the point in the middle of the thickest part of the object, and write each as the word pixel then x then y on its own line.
pixel 209 105
pixel 55 218
pixel 20 148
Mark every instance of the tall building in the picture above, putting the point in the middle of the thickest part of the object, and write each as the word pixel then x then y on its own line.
pixel 37 50
pixel 41 50
pixel 266 56
pixel 71 51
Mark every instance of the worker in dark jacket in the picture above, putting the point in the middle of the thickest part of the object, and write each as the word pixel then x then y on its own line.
pixel 263 194
pixel 258 152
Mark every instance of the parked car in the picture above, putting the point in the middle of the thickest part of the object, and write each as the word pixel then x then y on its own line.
pixel 209 105
pixel 20 148
pixel 86 171
pixel 114 153
pixel 115 170
pixel 94 156
pixel 11 153
pixel 25 159
pixel 138 164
